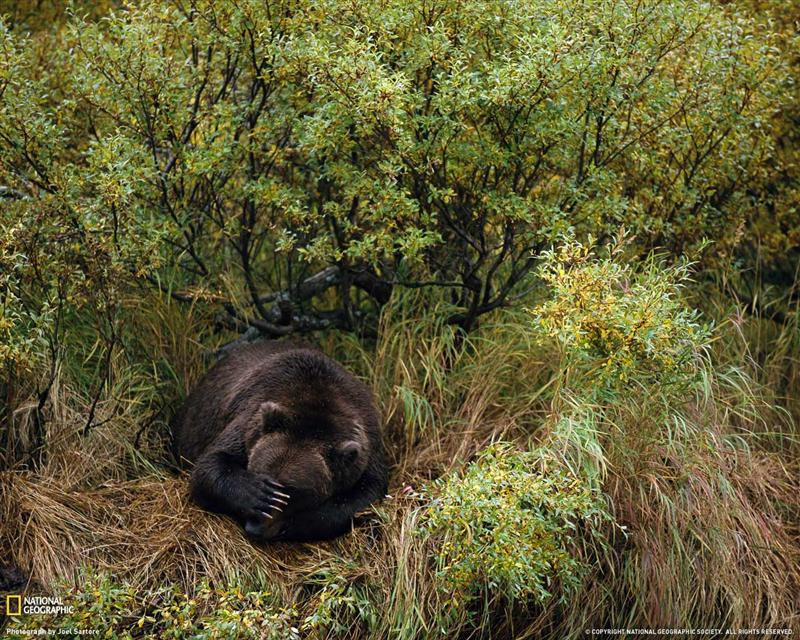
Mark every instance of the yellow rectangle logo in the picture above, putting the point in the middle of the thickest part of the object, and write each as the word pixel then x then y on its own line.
pixel 13 605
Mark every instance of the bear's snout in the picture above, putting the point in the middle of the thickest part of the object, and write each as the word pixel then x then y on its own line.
pixel 302 470
pixel 263 528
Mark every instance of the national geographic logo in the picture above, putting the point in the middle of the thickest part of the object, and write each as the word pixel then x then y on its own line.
pixel 13 605
pixel 36 605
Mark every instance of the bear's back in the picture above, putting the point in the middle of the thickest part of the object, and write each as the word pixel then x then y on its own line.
pixel 282 372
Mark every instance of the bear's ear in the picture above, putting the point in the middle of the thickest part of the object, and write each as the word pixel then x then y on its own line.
pixel 272 415
pixel 350 450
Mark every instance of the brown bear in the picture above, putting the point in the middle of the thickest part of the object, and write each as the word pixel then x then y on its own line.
pixel 283 439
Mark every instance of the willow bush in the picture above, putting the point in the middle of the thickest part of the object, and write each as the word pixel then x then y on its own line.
pixel 618 321
pixel 507 530
pixel 291 162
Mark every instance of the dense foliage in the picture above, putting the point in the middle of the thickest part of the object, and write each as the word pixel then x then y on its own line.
pixel 508 530
pixel 616 320
pixel 295 162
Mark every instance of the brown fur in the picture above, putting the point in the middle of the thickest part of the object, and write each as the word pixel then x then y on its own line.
pixel 283 439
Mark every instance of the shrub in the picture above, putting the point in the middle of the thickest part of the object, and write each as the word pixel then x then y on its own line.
pixel 506 528
pixel 296 161
pixel 617 322
pixel 176 170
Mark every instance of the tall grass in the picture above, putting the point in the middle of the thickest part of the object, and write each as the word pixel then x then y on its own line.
pixel 704 500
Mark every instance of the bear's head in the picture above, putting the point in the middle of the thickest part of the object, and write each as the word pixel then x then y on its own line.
pixel 313 453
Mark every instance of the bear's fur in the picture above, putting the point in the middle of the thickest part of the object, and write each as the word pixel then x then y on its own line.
pixel 283 439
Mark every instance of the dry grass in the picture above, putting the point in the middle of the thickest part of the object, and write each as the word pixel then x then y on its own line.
pixel 709 502
pixel 144 532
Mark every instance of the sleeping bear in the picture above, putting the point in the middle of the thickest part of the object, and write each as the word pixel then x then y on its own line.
pixel 284 440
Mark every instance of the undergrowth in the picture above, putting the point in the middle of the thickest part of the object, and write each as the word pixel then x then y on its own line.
pixel 605 458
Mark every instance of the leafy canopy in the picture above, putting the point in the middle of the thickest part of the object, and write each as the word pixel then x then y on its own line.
pixel 293 162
